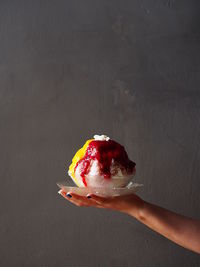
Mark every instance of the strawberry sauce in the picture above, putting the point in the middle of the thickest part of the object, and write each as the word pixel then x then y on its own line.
pixel 104 152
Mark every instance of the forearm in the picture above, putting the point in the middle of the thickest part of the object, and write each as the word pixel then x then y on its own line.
pixel 180 229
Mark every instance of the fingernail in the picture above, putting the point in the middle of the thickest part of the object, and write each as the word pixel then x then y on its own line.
pixel 68 195
pixel 88 196
pixel 60 191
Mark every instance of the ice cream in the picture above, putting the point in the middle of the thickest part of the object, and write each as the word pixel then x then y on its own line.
pixel 101 162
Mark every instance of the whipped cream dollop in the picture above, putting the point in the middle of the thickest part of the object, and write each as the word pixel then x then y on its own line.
pixel 101 137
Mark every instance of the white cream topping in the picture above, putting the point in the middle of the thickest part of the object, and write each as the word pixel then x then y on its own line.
pixel 101 137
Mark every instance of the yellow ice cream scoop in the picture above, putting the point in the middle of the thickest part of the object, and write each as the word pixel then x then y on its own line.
pixel 78 156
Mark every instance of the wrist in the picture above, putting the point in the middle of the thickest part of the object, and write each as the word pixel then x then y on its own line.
pixel 141 212
pixel 137 209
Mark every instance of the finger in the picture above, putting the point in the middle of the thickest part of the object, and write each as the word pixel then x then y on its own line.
pixel 75 199
pixel 78 197
pixel 100 200
pixel 62 193
pixel 69 195
pixel 66 195
pixel 85 200
pixel 78 200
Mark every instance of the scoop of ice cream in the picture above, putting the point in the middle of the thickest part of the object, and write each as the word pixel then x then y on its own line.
pixel 101 162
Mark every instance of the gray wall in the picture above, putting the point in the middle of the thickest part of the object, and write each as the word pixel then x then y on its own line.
pixel 71 69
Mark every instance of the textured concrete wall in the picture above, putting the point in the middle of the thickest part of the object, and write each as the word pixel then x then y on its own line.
pixel 68 70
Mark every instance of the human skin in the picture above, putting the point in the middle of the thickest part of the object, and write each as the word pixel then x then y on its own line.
pixel 182 230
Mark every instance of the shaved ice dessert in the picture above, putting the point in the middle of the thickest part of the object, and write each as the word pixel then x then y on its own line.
pixel 101 162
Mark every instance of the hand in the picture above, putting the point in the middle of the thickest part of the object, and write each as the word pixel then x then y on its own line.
pixel 130 204
pixel 180 229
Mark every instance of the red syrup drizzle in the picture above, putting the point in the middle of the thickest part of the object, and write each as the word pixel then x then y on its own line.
pixel 104 152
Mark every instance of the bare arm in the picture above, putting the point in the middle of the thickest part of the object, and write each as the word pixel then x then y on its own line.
pixel 180 229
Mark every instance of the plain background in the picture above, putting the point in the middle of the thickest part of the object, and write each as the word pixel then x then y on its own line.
pixel 72 69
